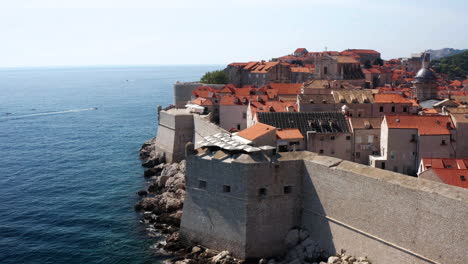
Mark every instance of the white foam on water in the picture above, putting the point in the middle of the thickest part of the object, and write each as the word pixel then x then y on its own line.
pixel 48 113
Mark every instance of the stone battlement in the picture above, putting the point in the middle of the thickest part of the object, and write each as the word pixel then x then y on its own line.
pixel 246 203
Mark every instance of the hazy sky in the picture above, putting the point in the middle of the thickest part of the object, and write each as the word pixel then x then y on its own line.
pixel 121 32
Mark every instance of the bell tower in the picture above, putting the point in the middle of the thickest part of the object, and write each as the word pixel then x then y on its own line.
pixel 424 85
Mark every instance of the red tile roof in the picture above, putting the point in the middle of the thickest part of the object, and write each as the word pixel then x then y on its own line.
pixel 256 131
pixel 241 64
pixel 286 88
pixel 292 133
pixel 204 91
pixel 453 177
pixel 363 51
pixel 243 91
pixel 426 125
pixel 260 67
pixel 300 50
pixel 456 83
pixel 202 101
pixel 272 106
pixel 386 98
pixel 445 163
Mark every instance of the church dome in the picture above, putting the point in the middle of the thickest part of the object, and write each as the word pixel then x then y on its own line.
pixel 425 75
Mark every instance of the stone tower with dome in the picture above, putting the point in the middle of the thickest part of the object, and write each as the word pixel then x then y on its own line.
pixel 424 85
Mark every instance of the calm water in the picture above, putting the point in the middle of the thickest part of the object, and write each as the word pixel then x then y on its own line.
pixel 68 178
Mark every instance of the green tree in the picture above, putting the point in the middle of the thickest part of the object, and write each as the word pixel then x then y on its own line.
pixel 455 66
pixel 215 77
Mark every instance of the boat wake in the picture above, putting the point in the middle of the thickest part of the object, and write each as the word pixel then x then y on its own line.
pixel 11 116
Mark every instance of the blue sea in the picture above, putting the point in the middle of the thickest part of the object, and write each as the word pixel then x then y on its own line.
pixel 69 172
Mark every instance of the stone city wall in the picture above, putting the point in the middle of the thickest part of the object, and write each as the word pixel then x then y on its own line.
pixel 177 127
pixel 389 217
pixel 183 91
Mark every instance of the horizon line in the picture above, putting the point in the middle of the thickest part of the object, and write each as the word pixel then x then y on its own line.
pixel 103 66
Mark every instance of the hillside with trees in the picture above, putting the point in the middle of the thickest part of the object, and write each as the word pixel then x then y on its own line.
pixel 455 66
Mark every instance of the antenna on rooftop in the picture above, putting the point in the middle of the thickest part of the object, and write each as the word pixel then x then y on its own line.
pixel 326 48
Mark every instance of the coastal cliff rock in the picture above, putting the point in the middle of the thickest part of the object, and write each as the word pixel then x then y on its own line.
pixel 149 155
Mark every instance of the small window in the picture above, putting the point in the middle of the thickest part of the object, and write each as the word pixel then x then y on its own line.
pixel 332 137
pixel 321 151
pixel 382 165
pixel 325 70
pixel 238 126
pixel 443 142
pixel 226 188
pixel 262 192
pixel 348 137
pixel 381 109
pixel 392 155
pixel 287 189
pixel 358 155
pixel 244 115
pixel 202 184
pixel 393 109
pixel 462 178
pixel 405 109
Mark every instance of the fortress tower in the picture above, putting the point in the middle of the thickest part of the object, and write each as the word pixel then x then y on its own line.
pixel 424 85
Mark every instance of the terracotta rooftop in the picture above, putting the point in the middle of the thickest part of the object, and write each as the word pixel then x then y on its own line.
pixel 292 133
pixel 273 106
pixel 202 101
pixel 387 98
pixel 241 64
pixel 256 131
pixel 450 170
pixel 426 125
pixel 286 88
pixel 204 91
pixel 445 163
pixel 363 51
pixel 457 178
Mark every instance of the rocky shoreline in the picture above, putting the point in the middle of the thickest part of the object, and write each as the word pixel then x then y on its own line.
pixel 161 206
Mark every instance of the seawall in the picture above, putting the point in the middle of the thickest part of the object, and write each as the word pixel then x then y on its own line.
pixel 389 217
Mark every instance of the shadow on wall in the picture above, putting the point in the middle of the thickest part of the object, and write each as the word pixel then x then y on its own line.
pixel 314 216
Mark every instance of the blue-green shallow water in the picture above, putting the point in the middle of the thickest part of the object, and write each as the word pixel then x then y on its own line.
pixel 68 179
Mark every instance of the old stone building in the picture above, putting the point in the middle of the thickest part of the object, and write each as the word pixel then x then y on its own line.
pixel 258 73
pixel 405 139
pixel 363 55
pixel 326 133
pixel 366 138
pixel 337 68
